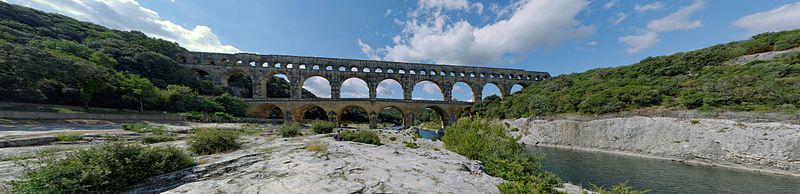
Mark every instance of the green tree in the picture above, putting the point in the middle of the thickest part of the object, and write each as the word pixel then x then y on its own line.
pixel 138 88
pixel 89 87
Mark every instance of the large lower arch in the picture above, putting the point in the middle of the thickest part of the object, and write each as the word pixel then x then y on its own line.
pixel 391 116
pixel 390 89
pixel 318 86
pixel 267 111
pixel 315 113
pixel 353 114
pixel 431 115
pixel 516 88
pixel 427 90
pixel 239 84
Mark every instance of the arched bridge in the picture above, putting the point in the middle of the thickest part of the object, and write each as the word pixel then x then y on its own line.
pixel 219 67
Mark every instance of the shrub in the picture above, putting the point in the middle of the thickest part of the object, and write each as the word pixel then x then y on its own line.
pixel 319 147
pixel 143 128
pixel 392 138
pixel 621 188
pixel 362 136
pixel 222 116
pixel 412 145
pixel 251 129
pixel 157 138
pixel 322 127
pixel 69 137
pixel 193 115
pixel 501 155
pixel 106 168
pixel 210 141
pixel 289 130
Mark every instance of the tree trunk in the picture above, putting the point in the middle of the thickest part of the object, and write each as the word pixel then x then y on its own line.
pixel 85 104
pixel 141 106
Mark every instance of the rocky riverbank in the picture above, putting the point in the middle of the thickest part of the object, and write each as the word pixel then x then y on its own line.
pixel 267 163
pixel 770 147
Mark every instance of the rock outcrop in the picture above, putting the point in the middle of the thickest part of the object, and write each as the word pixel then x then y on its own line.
pixel 772 147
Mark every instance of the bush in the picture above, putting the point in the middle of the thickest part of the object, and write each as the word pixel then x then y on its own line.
pixel 621 188
pixel 362 136
pixel 143 128
pixel 289 130
pixel 412 145
pixel 322 127
pixel 69 137
pixel 106 168
pixel 222 116
pixel 210 141
pixel 501 155
pixel 157 138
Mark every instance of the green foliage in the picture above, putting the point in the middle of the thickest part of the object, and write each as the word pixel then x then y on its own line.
pixel 144 128
pixel 412 145
pixel 222 116
pixel 149 139
pixel 699 79
pixel 138 88
pixel 362 136
pixel 231 104
pixel 501 155
pixel 106 168
pixel 69 137
pixel 321 127
pixel 290 129
pixel 621 188
pixel 211 141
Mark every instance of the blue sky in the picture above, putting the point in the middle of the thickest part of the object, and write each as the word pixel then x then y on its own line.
pixel 558 36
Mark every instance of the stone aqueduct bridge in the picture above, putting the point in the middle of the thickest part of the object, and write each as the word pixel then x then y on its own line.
pixel 260 68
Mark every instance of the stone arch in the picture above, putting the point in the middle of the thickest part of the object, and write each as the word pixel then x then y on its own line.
pixel 385 115
pixel 360 114
pixel 401 71
pixel 180 59
pixel 489 88
pixel 275 74
pixel 315 67
pixel 278 65
pixel 354 69
pixel 429 90
pixel 412 72
pixel 390 71
pixel 302 66
pixel 265 64
pixel 354 91
pixel 516 88
pixel 342 68
pixel 314 112
pixel 422 72
pixel 269 111
pixel 378 70
pixel 202 74
pixel 462 91
pixel 443 115
pixel 318 80
pixel 385 86
pixel 365 70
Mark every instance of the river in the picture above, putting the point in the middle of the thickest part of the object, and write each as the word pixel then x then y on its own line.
pixel 658 176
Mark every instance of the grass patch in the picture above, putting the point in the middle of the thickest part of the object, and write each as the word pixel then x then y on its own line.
pixel 38 154
pixel 106 168
pixel 362 136
pixel 430 125
pixel 501 155
pixel 210 141
pixel 392 138
pixel 412 145
pixel 66 110
pixel 319 147
pixel 144 128
pixel 695 121
pixel 69 137
pixel 322 127
pixel 251 129
pixel 722 130
pixel 149 139
pixel 291 129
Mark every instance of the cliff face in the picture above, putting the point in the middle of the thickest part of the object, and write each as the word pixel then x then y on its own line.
pixel 771 147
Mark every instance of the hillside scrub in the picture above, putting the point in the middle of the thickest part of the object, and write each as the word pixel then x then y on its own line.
pixel 501 155
pixel 700 79
pixel 106 168
pixel 290 129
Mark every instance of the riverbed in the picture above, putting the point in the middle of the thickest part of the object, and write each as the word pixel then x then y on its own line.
pixel 659 176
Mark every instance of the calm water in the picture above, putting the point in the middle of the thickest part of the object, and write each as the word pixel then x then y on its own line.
pixel 659 176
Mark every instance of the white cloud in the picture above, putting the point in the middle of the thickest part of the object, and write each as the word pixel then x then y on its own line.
pixel 388 12
pixel 319 86
pixel 444 4
pixel 354 88
pixel 782 18
pixel 129 15
pixel 648 7
pixel 679 20
pixel 366 49
pixel 533 24
pixel 431 88
pixel 610 4
pixel 617 18
pixel 639 42
pixel 390 89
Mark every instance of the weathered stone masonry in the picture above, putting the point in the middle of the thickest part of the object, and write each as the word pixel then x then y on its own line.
pixel 260 68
